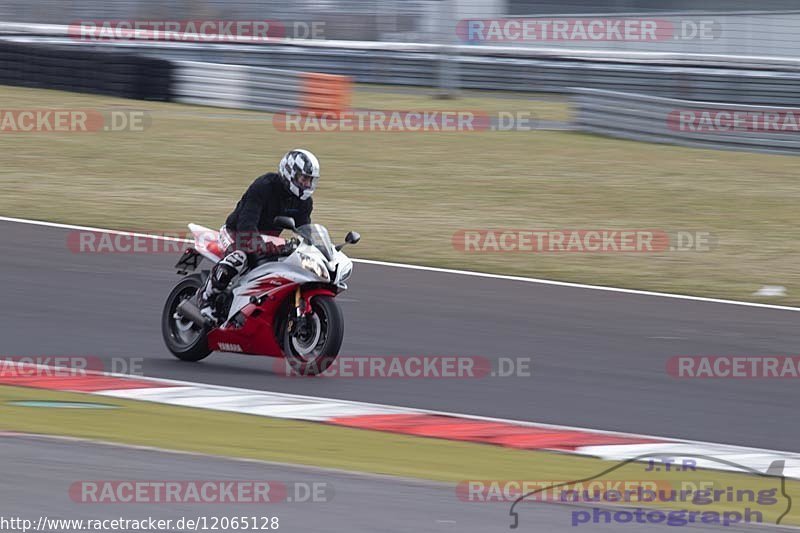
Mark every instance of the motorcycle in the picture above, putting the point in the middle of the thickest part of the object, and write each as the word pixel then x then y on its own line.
pixel 283 307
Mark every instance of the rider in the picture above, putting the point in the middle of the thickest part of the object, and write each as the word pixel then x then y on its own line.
pixel 287 193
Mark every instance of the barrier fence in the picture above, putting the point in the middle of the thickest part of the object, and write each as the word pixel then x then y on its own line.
pixel 258 88
pixel 739 79
pixel 689 123
pixel 645 117
pixel 737 27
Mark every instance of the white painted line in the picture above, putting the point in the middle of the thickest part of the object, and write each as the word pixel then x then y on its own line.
pixel 89 228
pixel 579 285
pixel 447 270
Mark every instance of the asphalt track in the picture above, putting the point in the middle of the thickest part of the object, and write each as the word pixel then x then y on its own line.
pixel 598 357
pixel 43 471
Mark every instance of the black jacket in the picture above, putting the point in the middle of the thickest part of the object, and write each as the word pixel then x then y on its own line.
pixel 266 198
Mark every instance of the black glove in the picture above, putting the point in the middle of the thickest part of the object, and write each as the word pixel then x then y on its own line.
pixel 262 247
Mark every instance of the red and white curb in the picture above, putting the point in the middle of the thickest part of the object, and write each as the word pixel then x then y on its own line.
pixel 402 420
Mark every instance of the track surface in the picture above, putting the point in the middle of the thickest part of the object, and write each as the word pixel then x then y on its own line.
pixel 44 469
pixel 598 357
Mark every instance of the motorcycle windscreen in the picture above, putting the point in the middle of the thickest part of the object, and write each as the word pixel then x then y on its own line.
pixel 318 237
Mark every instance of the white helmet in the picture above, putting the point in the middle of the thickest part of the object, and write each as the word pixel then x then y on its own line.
pixel 296 164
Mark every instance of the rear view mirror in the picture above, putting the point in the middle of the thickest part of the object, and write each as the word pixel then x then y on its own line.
pixel 352 237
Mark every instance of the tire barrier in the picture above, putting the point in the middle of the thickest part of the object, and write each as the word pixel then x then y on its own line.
pixel 108 72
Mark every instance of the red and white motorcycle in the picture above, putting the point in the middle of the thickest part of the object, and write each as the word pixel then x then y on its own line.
pixel 281 308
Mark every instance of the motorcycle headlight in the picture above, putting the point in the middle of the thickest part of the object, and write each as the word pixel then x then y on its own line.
pixel 315 266
pixel 345 273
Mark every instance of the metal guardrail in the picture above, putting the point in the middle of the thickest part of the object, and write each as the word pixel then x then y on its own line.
pixel 689 123
pixel 510 73
pixel 742 80
pixel 60 34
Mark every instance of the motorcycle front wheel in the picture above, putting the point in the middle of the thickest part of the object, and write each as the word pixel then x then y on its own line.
pixel 313 349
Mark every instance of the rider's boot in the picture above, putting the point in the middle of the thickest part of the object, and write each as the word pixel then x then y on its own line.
pixel 221 276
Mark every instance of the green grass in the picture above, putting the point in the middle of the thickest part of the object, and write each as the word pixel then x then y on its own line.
pixel 255 437
pixel 407 193
pixel 542 107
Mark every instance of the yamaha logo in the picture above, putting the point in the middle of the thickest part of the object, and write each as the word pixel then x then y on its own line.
pixel 229 347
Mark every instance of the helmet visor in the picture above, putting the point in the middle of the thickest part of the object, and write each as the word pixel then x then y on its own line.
pixel 305 182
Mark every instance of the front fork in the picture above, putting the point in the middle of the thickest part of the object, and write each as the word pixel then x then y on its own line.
pixel 301 309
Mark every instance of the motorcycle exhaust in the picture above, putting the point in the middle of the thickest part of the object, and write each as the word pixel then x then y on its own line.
pixel 189 311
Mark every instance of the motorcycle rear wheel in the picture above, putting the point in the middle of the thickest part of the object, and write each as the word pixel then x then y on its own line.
pixel 184 340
